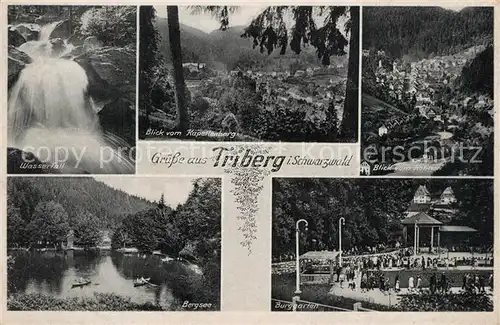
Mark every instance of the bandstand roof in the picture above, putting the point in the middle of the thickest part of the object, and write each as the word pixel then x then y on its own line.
pixel 320 255
pixel 421 218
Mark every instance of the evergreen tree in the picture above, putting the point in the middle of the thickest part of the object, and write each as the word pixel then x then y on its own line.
pixel 161 202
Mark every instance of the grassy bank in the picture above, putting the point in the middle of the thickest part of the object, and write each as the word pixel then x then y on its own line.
pixel 100 302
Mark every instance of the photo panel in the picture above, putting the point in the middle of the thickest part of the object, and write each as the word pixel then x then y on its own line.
pixel 427 91
pixel 344 244
pixel 109 243
pixel 249 73
pixel 72 89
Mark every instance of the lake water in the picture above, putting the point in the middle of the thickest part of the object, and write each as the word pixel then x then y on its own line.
pixel 53 273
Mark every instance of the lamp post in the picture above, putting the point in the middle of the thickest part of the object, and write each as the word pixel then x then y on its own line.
pixel 297 253
pixel 415 244
pixel 341 223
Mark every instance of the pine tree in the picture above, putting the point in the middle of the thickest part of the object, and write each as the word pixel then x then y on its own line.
pixel 161 202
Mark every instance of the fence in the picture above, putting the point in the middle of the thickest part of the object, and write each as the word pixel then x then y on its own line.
pixel 315 278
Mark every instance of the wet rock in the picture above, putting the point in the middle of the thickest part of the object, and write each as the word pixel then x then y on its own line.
pixel 111 72
pixel 30 32
pixel 76 40
pixel 58 46
pixel 76 51
pixel 16 62
pixel 21 162
pixel 118 117
pixel 62 30
pixel 91 43
pixel 16 38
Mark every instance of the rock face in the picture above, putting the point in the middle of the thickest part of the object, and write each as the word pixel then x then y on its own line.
pixel 111 72
pixel 91 43
pixel 15 38
pixel 118 117
pixel 16 62
pixel 16 162
pixel 30 32
pixel 58 46
pixel 62 30
pixel 75 52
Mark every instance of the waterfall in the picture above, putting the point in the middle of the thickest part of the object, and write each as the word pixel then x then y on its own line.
pixel 52 116
pixel 46 31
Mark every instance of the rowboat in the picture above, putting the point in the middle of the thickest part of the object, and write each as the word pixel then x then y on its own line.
pixel 81 284
pixel 141 282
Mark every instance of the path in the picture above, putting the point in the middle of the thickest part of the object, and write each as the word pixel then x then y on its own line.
pixel 376 296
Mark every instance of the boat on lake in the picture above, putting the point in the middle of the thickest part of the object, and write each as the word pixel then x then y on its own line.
pixel 141 282
pixel 127 250
pixel 81 283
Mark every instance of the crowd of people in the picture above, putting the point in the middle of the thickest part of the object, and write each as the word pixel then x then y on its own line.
pixel 435 283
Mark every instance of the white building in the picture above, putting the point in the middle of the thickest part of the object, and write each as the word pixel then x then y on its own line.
pixel 448 196
pixel 382 130
pixel 422 195
pixel 365 168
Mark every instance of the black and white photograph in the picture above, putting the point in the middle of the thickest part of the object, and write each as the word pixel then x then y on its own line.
pixel 249 73
pixel 108 243
pixel 71 89
pixel 427 91
pixel 372 244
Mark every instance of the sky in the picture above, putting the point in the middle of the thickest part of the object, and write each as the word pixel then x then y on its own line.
pixel 207 23
pixel 176 189
pixel 243 16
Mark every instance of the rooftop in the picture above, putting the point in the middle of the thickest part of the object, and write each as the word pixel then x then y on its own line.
pixel 421 218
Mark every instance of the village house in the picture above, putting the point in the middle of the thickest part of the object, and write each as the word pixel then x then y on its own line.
pixel 422 195
pixel 448 196
pixel 365 168
pixel 382 130
pixel 194 67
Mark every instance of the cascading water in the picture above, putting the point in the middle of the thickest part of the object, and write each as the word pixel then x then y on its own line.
pixel 52 116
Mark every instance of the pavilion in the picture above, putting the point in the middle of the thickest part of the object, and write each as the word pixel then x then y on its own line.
pixel 422 220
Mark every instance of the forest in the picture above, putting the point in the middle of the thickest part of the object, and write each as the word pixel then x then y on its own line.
pixel 413 31
pixel 76 195
pixel 372 208
pixel 46 209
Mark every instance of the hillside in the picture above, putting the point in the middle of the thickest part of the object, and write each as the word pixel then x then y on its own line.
pixel 424 31
pixel 228 50
pixel 76 195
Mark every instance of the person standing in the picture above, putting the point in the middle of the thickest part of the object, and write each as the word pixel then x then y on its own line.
pixel 433 283
pixel 476 283
pixel 397 286
pixel 364 282
pixel 419 283
pixel 481 284
pixel 411 284
pixel 443 283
